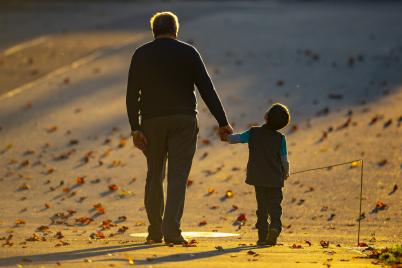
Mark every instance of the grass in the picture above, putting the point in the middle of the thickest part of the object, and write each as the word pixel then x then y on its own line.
pixel 389 256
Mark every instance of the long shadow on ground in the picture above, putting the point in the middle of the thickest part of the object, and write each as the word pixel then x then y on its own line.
pixel 102 251
pixel 75 254
pixel 179 257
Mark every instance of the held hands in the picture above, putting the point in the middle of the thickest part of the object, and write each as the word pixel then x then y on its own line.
pixel 225 131
pixel 139 140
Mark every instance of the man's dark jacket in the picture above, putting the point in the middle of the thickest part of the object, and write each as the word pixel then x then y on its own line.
pixel 161 82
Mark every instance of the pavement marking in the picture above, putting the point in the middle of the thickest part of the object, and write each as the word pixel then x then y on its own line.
pixel 19 47
pixel 74 65
pixel 194 234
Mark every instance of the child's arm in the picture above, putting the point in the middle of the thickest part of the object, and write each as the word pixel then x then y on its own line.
pixel 239 137
pixel 284 158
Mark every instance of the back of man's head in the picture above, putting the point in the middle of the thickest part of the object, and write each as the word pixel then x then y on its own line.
pixel 164 23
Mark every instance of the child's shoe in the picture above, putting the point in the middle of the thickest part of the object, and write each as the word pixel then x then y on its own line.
pixel 272 237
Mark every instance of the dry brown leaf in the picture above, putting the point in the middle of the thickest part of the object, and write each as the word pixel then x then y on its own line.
pixel 113 187
pixel 99 208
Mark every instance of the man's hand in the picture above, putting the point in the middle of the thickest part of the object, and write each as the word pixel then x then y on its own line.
pixel 140 141
pixel 225 131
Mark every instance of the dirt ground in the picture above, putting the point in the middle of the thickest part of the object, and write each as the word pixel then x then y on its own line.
pixel 71 182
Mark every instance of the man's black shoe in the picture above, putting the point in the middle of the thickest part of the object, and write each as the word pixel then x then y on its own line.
pixel 153 240
pixel 176 240
pixel 272 237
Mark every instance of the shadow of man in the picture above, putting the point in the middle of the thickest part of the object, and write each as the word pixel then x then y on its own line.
pixel 179 257
pixel 73 255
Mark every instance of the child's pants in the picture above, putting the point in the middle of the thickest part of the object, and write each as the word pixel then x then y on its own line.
pixel 268 204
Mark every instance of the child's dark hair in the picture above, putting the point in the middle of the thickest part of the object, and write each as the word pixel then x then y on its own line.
pixel 277 116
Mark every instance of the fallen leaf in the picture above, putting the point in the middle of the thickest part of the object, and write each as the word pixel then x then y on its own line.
pixel 280 83
pixel 229 194
pixel 84 220
pixel 335 96
pixel 23 187
pixel 80 180
pixel 355 164
pixel 202 223
pixel 379 206
pixel 121 218
pixel 294 246
pixel 382 163
pixel 62 243
pixel 345 125
pixel 97 235
pixel 113 187
pixel 59 235
pixel 393 189
pixel 51 129
pixel 323 111
pixel 219 248
pixel 250 252
pixel 204 155
pixel 308 243
pixel 189 183
pixel 106 224
pixel 388 123
pixel 73 142
pixel 20 222
pixel 43 229
pixel 130 260
pixel 35 237
pixel 191 243
pixel 66 190
pixel 122 142
pixel 242 218
pixel 331 217
pixel 324 244
pixel 211 190
pixel 362 244
pixel 122 229
pixel 205 142
pixel 99 208
pixel 375 119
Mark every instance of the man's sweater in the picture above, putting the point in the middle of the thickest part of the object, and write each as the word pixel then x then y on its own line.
pixel 161 82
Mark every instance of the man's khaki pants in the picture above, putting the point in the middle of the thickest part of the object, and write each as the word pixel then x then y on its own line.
pixel 173 139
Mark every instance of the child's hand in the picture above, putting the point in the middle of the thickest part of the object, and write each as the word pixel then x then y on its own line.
pixel 225 131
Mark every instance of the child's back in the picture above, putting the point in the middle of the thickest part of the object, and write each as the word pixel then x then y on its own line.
pixel 264 166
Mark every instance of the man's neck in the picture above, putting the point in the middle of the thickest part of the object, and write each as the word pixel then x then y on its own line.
pixel 171 36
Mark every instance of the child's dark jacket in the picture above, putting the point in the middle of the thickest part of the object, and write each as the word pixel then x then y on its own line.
pixel 264 166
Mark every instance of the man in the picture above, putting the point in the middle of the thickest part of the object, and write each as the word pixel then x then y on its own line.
pixel 161 107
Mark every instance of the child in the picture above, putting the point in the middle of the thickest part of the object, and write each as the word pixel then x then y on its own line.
pixel 267 168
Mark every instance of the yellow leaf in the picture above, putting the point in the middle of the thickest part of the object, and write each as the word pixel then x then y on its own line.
pixel 130 260
pixel 355 164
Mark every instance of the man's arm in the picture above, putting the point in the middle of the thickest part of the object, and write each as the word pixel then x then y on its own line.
pixel 239 137
pixel 284 157
pixel 207 91
pixel 133 104
pixel 133 94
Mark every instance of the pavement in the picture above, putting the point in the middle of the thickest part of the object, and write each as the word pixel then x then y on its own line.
pixel 71 182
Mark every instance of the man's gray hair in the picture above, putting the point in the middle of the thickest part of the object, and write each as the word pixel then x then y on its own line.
pixel 164 23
